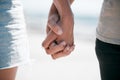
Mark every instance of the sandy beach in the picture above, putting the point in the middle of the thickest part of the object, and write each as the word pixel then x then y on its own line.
pixel 82 64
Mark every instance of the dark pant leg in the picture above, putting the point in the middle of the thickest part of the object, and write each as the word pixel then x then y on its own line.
pixel 109 60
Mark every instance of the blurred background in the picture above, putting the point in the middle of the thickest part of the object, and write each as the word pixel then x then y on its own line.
pixel 82 64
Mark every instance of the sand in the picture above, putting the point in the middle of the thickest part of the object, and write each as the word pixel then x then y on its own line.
pixel 82 64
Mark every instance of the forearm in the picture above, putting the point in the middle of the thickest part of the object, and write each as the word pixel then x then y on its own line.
pixel 53 9
pixel 63 7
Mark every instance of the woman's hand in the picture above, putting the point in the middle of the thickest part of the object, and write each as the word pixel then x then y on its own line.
pixel 67 25
pixel 60 40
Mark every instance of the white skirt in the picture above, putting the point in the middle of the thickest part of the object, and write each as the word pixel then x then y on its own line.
pixel 14 47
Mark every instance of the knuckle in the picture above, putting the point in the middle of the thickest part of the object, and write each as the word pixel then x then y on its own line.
pixel 53 57
pixel 43 44
pixel 66 53
pixel 48 51
pixel 61 46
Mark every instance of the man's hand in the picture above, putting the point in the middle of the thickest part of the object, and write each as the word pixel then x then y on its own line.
pixel 53 18
pixel 59 41
pixel 60 45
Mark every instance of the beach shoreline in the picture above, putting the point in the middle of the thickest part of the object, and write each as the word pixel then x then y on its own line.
pixel 80 65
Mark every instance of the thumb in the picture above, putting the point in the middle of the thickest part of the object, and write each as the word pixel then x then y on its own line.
pixel 51 37
pixel 52 24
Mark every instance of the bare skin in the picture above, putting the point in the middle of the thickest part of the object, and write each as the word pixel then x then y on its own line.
pixel 54 17
pixel 8 74
pixel 60 40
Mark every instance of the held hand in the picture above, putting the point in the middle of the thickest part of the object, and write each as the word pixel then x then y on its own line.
pixel 54 44
pixel 53 30
pixel 54 18
pixel 67 26
pixel 54 15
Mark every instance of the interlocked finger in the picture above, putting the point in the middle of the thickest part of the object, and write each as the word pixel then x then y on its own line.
pixel 55 48
pixel 51 37
pixel 63 53
pixel 52 24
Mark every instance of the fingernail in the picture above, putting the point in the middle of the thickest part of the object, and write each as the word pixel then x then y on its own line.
pixel 67 48
pixel 63 43
pixel 59 31
pixel 71 49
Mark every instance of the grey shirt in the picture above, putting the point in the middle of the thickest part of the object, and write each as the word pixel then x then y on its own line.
pixel 108 29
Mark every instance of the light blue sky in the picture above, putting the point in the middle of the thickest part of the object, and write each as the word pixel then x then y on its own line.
pixel 86 7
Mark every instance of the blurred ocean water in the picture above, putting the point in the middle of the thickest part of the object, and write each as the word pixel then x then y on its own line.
pixel 86 16
pixel 85 7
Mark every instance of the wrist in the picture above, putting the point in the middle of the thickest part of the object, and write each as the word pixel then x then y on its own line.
pixel 63 7
pixel 69 19
pixel 68 16
pixel 71 1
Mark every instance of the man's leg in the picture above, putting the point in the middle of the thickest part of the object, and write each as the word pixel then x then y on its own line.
pixel 109 60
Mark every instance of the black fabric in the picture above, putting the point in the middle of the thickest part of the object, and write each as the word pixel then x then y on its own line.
pixel 109 60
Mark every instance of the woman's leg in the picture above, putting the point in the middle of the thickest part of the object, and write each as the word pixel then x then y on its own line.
pixel 8 74
pixel 109 60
